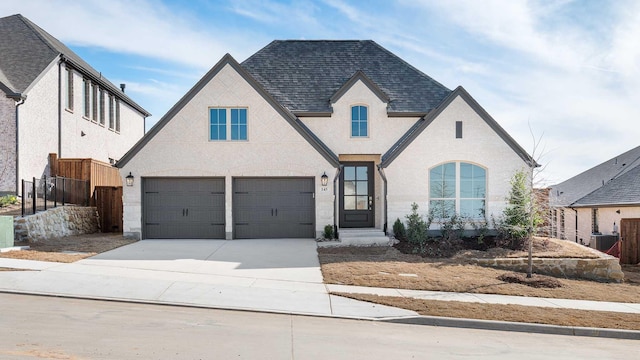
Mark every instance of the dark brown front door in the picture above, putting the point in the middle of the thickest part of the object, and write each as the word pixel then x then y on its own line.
pixel 356 195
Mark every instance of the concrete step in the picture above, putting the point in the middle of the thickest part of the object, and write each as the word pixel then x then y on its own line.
pixel 358 237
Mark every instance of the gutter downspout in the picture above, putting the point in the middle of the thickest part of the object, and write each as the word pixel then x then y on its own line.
pixel 60 106
pixel 384 179
pixel 22 100
pixel 576 211
pixel 335 198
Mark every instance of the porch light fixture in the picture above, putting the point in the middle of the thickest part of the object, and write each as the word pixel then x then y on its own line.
pixel 129 179
pixel 324 179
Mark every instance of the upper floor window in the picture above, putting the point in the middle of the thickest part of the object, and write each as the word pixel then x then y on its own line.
pixel 117 115
pixel 69 99
pixel 101 107
pixel 86 96
pixel 238 124
pixel 457 188
pixel 94 102
pixel 218 124
pixel 219 127
pixel 359 121
pixel 111 112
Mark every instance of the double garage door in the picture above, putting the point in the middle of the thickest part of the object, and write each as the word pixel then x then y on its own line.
pixel 194 208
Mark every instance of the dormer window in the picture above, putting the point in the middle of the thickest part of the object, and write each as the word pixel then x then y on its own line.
pixel 359 121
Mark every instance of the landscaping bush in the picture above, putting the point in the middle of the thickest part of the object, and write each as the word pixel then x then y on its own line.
pixel 328 232
pixel 8 200
pixel 399 231
pixel 416 227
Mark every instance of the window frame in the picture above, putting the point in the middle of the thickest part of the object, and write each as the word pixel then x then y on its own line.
pixel 359 121
pixel 94 102
pixel 111 112
pixel 86 96
pixel 458 196
pixel 117 125
pixel 235 128
pixel 101 112
pixel 69 99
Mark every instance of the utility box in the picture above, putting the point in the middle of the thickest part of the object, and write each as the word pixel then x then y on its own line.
pixel 602 242
pixel 6 231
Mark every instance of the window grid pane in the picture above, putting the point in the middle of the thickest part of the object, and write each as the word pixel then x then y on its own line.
pixel 444 195
pixel 359 121
pixel 238 124
pixel 218 122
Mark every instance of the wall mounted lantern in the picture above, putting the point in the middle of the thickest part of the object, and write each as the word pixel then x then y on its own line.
pixel 324 179
pixel 129 179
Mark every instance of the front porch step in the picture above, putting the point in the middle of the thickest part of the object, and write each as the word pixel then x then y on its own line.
pixel 358 237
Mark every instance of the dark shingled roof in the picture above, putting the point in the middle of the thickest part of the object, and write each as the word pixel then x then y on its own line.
pixel 26 50
pixel 614 182
pixel 304 75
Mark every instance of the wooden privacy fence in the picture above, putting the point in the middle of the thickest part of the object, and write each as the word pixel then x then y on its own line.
pixel 97 173
pixel 630 244
pixel 109 205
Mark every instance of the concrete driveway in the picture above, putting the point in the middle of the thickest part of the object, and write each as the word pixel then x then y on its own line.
pixel 275 275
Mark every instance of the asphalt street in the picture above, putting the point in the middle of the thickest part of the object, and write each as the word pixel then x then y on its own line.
pixel 61 328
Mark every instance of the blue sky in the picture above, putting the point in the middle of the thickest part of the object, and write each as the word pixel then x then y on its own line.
pixel 566 72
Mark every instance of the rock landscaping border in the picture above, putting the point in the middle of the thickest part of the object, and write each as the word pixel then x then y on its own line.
pixel 57 222
pixel 603 268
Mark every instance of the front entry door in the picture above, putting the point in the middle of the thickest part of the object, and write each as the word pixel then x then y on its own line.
pixel 356 199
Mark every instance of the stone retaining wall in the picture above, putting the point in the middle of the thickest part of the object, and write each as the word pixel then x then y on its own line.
pixel 604 268
pixel 57 222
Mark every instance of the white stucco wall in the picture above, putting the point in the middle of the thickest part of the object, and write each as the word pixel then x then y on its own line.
pixel 335 131
pixel 7 145
pixel 99 142
pixel 408 174
pixel 38 126
pixel 383 132
pixel 182 148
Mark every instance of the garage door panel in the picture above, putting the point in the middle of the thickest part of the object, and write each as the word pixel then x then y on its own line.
pixel 273 207
pixel 184 208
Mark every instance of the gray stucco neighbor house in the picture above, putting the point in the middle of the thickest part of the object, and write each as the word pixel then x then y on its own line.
pixel 305 134
pixel 594 201
pixel 52 101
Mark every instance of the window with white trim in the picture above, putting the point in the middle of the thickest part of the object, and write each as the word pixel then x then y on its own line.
pixel 221 129
pixel 359 121
pixel 117 115
pixel 94 102
pixel 86 96
pixel 101 107
pixel 69 99
pixel 111 112
pixel 457 188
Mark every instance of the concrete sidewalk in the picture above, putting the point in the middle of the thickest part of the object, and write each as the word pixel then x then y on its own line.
pixel 281 276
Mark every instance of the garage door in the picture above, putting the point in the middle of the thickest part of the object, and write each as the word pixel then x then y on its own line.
pixel 183 208
pixel 273 208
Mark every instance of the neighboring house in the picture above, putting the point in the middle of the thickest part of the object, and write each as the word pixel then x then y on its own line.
pixel 51 101
pixel 305 134
pixel 595 201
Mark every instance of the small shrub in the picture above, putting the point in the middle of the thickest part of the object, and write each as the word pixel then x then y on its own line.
pixel 416 227
pixel 328 232
pixel 399 231
pixel 8 200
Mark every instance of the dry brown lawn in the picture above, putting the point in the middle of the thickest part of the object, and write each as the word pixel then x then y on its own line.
pixel 388 267
pixel 69 249
pixel 513 313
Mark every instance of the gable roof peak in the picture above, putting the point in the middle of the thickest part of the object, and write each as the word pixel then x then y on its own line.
pixel 360 76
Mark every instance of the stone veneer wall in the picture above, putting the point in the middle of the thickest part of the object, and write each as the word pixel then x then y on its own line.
pixel 604 268
pixel 57 222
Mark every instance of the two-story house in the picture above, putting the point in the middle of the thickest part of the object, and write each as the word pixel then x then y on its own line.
pixel 51 101
pixel 305 134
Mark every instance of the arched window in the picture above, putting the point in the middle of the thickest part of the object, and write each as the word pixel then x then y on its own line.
pixel 457 188
pixel 359 121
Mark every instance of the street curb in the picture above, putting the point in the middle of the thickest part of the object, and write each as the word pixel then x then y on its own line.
pixel 519 327
pixel 414 320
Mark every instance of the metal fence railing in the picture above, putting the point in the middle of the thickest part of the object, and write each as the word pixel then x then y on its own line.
pixel 44 193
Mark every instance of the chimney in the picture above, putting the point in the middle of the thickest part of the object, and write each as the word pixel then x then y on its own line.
pixel 122 86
